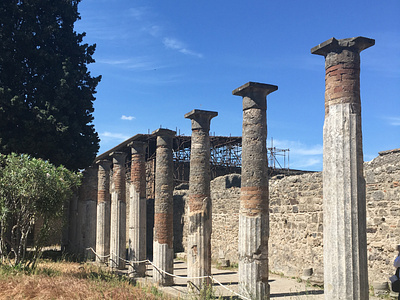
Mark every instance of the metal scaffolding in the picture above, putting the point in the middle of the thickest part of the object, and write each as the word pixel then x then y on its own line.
pixel 226 152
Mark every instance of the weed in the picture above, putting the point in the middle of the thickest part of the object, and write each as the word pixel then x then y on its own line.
pixel 66 280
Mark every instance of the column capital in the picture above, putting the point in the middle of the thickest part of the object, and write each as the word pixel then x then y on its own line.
pixel 164 137
pixel 356 44
pixel 118 157
pixel 137 147
pixel 91 170
pixel 105 163
pixel 163 132
pixel 254 94
pixel 201 118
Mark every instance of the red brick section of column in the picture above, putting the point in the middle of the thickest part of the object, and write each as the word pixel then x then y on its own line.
pixel 200 209
pixel 163 251
pixel 344 203
pixel 103 211
pixel 254 201
pixel 137 210
pixel 118 212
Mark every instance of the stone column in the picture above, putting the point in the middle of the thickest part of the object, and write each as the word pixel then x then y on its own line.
pixel 344 203
pixel 254 201
pixel 137 210
pixel 200 210
pixel 73 236
pixel 118 212
pixel 163 251
pixel 86 223
pixel 103 210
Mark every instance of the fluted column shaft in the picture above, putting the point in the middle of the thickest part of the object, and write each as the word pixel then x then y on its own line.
pixel 87 213
pixel 344 203
pixel 200 209
pixel 103 210
pixel 118 212
pixel 163 251
pixel 137 210
pixel 254 201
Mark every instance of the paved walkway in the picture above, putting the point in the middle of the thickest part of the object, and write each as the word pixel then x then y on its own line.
pixel 281 287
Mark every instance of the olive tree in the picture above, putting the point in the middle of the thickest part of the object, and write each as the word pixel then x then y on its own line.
pixel 30 189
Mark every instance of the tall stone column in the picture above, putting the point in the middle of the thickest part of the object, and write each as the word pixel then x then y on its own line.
pixel 254 198
pixel 73 220
pixel 200 209
pixel 137 210
pixel 103 210
pixel 344 203
pixel 87 213
pixel 118 212
pixel 163 251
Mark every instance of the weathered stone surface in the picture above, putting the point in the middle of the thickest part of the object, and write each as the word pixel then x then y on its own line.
pixel 200 210
pixel 342 70
pixel 293 248
pixel 118 212
pixel 137 210
pixel 73 222
pixel 295 241
pixel 103 210
pixel 253 215
pixel 86 227
pixel 163 251
pixel 345 240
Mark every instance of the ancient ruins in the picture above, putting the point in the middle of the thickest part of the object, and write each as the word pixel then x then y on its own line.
pixel 254 213
pixel 163 250
pixel 162 193
pixel 199 206
pixel 344 184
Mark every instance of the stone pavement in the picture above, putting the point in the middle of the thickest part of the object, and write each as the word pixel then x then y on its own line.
pixel 281 287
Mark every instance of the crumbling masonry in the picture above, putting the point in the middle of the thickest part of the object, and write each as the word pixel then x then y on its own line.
pixel 163 251
pixel 297 218
pixel 137 210
pixel 118 212
pixel 254 210
pixel 345 237
pixel 103 211
pixel 199 208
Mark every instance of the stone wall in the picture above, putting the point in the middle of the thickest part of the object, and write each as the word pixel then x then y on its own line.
pixel 382 177
pixel 225 194
pixel 296 219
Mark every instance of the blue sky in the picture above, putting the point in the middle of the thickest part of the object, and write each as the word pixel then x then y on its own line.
pixel 161 59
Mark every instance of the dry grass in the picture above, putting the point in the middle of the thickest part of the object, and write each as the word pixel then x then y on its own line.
pixel 64 280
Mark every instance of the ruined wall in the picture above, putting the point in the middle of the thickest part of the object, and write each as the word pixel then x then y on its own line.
pixel 382 177
pixel 296 225
pixel 225 194
pixel 296 219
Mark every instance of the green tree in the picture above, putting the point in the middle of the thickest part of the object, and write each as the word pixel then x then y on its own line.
pixel 46 90
pixel 30 188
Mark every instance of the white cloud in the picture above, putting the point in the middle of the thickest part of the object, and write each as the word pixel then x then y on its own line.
pixel 153 30
pixel 298 147
pixel 175 44
pixel 137 12
pixel 114 136
pixel 314 150
pixel 394 121
pixel 129 118
pixel 300 155
pixel 138 63
pixel 306 163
